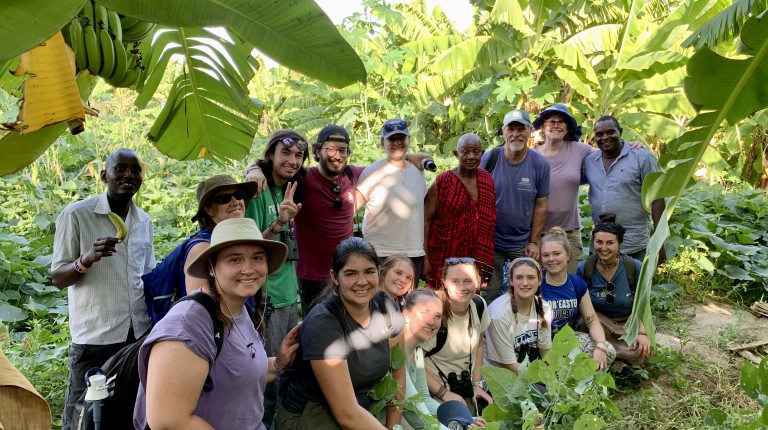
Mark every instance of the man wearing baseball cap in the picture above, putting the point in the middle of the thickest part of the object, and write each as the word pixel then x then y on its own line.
pixel 521 180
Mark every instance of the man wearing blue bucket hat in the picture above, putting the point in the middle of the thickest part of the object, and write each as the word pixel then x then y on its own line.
pixel 521 180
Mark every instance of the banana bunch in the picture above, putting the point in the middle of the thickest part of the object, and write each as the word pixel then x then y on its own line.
pixel 106 44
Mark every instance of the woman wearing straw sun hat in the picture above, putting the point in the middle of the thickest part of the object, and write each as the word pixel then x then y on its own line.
pixel 179 357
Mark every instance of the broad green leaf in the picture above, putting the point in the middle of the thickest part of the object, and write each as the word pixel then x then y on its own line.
pixel 600 38
pixel 727 23
pixel 509 12
pixel 19 150
pixel 295 34
pixel 31 22
pixel 11 313
pixel 588 422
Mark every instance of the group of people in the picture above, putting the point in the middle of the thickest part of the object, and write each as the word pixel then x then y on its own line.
pixel 283 243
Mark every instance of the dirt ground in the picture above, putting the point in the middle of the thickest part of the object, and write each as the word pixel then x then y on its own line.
pixel 706 325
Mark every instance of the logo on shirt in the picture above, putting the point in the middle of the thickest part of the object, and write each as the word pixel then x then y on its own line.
pixel 525 184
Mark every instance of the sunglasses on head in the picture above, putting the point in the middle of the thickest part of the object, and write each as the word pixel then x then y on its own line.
pixel 223 199
pixel 288 143
pixel 392 126
pixel 610 290
pixel 485 270
pixel 336 190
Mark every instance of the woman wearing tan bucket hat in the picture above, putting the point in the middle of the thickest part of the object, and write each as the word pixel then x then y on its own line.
pixel 178 358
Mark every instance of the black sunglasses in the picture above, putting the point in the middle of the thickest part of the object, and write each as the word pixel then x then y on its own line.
pixel 392 126
pixel 336 190
pixel 610 295
pixel 223 199
pixel 288 143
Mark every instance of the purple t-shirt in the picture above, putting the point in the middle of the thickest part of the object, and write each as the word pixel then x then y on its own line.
pixel 237 398
pixel 564 300
pixel 319 226
pixel 517 188
pixel 565 178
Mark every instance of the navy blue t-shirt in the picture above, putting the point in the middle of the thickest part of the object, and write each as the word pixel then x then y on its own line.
pixel 564 300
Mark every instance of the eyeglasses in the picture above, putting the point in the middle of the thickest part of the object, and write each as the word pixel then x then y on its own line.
pixel 554 122
pixel 336 190
pixel 223 199
pixel 392 126
pixel 288 143
pixel 331 151
pixel 610 290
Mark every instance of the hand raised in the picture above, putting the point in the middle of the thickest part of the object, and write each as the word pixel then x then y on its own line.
pixel 103 247
pixel 288 209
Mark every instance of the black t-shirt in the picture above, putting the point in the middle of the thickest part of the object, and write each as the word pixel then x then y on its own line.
pixel 365 349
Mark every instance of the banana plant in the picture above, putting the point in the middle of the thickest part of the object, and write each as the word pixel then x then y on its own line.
pixel 210 114
pixel 722 90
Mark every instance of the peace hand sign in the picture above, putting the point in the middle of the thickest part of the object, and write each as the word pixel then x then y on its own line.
pixel 288 209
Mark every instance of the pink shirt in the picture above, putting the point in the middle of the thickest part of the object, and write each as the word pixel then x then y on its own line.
pixel 564 181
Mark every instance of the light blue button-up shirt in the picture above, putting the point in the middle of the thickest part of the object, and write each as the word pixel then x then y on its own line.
pixel 618 190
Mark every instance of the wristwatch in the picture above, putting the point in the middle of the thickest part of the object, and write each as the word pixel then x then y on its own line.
pixel 481 384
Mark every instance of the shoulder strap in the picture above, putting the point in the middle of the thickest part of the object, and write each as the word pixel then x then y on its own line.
pixel 218 328
pixel 629 266
pixel 494 157
pixel 349 174
pixel 479 305
pixel 589 267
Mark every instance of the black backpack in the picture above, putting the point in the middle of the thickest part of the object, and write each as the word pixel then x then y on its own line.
pixel 493 158
pixel 122 372
pixel 629 266
pixel 442 333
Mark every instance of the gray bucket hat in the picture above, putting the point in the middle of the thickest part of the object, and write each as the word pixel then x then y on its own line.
pixel 206 188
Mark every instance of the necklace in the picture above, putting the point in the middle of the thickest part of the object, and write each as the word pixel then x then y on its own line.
pixel 609 264
pixel 234 322
pixel 554 283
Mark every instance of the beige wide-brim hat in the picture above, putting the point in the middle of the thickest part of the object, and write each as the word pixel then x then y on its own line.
pixel 238 231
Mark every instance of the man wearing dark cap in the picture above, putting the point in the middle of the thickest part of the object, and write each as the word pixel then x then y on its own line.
pixel 521 180
pixel 393 191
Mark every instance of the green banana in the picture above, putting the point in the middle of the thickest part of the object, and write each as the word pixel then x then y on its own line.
pixel 100 16
pixel 78 44
pixel 115 26
pixel 107 53
pixel 137 32
pixel 86 16
pixel 92 49
pixel 122 230
pixel 127 21
pixel 121 64
pixel 131 76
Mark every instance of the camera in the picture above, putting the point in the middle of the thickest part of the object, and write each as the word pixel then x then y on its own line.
pixel 461 384
pixel 527 350
pixel 267 308
pixel 287 237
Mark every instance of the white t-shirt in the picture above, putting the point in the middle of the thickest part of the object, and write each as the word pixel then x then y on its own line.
pixel 505 335
pixel 394 212
pixel 454 356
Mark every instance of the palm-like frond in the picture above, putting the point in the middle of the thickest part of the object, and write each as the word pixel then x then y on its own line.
pixel 208 112
pixel 416 25
pixel 726 24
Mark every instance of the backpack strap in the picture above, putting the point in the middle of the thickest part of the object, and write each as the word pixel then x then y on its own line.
pixel 629 266
pixel 348 172
pixel 589 267
pixel 442 333
pixel 494 157
pixel 218 327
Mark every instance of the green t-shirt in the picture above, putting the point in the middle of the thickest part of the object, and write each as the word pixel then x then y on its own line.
pixel 282 285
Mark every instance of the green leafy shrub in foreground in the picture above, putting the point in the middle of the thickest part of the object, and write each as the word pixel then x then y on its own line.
pixel 577 395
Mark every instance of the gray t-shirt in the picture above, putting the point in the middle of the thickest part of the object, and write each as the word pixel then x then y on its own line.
pixel 366 350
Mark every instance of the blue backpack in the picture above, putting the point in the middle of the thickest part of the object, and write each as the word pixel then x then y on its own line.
pixel 163 285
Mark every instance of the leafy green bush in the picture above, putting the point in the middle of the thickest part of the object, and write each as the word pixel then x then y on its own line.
pixel 576 397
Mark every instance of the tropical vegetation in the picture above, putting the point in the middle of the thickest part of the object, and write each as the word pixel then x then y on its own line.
pixel 686 77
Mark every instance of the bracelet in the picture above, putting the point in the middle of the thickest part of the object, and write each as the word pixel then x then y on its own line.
pixel 279 221
pixel 440 394
pixel 273 231
pixel 599 348
pixel 644 334
pixel 278 368
pixel 80 267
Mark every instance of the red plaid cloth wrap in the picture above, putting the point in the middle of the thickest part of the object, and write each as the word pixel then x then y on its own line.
pixel 462 227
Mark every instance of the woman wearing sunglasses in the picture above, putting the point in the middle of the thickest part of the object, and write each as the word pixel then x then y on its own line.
pixel 567 295
pixel 612 283
pixel 218 198
pixel 454 357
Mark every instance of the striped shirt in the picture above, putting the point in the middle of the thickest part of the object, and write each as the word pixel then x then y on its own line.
pixel 109 299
